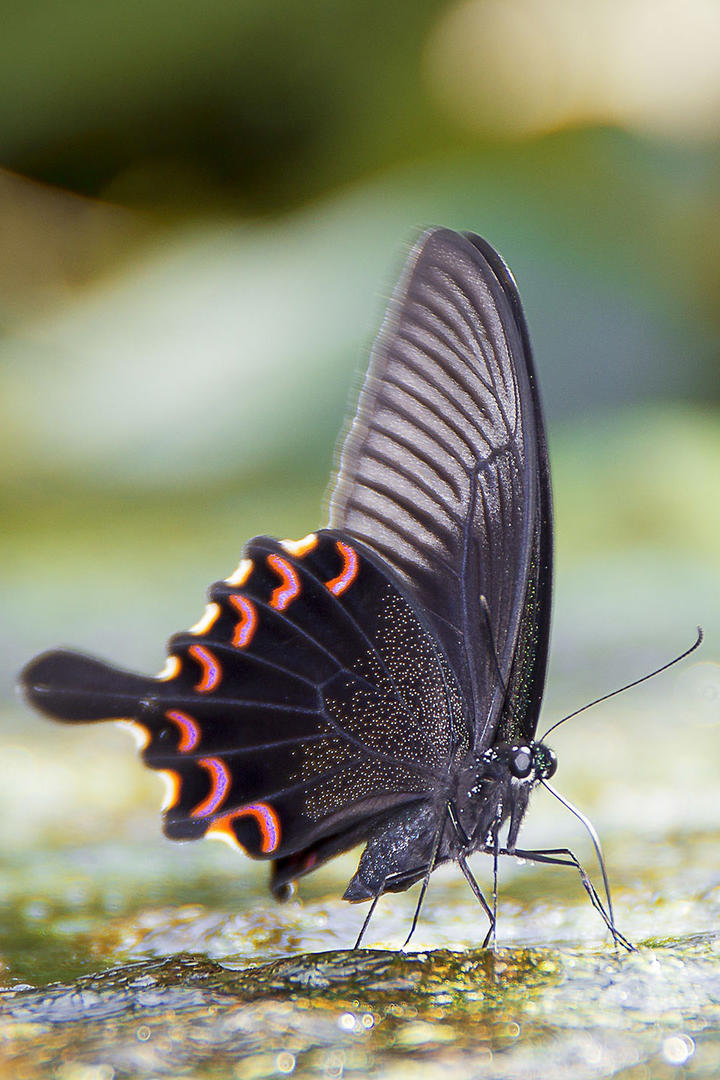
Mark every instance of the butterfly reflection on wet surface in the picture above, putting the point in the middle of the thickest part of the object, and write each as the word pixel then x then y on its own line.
pixel 380 680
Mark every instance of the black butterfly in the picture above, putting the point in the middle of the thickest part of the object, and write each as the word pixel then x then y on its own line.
pixel 381 679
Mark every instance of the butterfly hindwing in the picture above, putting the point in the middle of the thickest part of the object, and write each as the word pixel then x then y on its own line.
pixel 309 699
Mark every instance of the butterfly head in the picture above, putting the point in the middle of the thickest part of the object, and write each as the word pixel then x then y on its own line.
pixel 522 765
pixel 533 761
pixel 518 768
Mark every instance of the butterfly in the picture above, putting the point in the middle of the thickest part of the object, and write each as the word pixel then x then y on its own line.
pixel 379 680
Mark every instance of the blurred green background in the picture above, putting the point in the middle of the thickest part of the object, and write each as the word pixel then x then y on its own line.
pixel 203 208
pixel 202 211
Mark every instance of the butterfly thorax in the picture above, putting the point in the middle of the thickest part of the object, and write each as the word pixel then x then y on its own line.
pixel 492 791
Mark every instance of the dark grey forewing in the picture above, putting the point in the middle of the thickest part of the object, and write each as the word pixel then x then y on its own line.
pixel 444 470
pixel 527 676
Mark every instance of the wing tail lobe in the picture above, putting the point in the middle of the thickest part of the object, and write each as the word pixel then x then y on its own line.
pixel 72 687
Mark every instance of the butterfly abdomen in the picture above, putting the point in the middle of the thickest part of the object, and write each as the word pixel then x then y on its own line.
pixel 72 687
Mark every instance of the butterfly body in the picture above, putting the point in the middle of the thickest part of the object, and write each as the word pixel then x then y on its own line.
pixel 379 680
pixel 485 796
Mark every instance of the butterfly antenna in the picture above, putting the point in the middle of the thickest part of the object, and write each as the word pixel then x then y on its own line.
pixel 488 624
pixel 596 844
pixel 636 682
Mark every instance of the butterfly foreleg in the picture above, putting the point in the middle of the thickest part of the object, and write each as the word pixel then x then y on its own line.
pixel 565 857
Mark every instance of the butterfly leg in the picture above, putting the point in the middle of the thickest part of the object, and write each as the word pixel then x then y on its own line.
pixel 404 878
pixel 565 857
pixel 462 862
pixel 496 852
pixel 367 919
pixel 465 841
pixel 426 879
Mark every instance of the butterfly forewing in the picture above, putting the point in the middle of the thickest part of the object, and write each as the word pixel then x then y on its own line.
pixel 444 474
pixel 527 676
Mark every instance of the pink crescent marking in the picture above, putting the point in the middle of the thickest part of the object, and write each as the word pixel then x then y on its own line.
pixel 188 728
pixel 290 587
pixel 248 620
pixel 211 671
pixel 220 778
pixel 267 820
pixel 351 565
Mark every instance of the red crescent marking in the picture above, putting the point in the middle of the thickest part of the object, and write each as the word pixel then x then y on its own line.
pixel 351 565
pixel 220 778
pixel 248 620
pixel 267 820
pixel 188 728
pixel 290 587
pixel 211 671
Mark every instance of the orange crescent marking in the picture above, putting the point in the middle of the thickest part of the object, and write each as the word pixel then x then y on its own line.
pixel 220 780
pixel 172 781
pixel 188 728
pixel 211 670
pixel 138 732
pixel 351 565
pixel 243 572
pixel 170 669
pixel 248 620
pixel 299 548
pixel 286 592
pixel 267 820
pixel 207 620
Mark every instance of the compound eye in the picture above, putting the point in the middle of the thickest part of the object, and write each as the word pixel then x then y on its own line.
pixel 521 762
pixel 549 765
